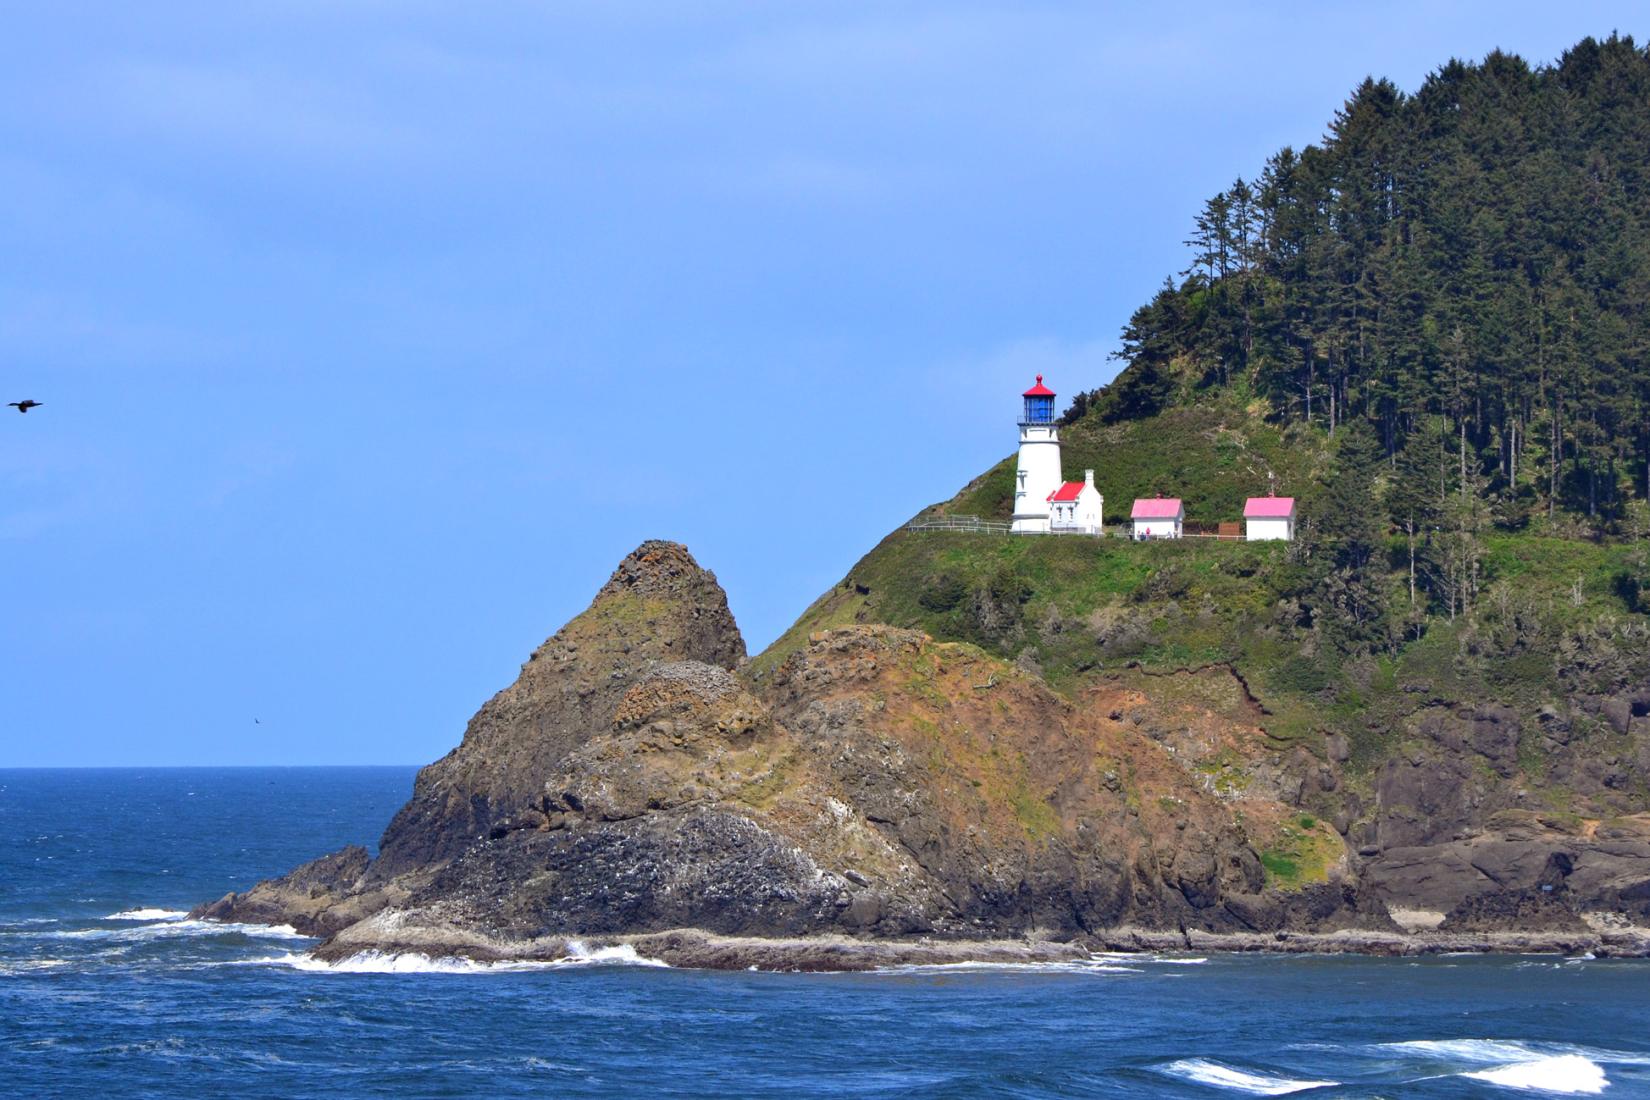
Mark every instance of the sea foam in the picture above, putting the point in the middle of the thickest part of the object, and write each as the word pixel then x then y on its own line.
pixel 27 966
pixel 579 954
pixel 1148 957
pixel 1555 1068
pixel 404 962
pixel 146 929
pixel 1562 1074
pixel 173 928
pixel 1493 1051
pixel 1467 1050
pixel 413 962
pixel 1218 1075
pixel 1064 966
pixel 147 914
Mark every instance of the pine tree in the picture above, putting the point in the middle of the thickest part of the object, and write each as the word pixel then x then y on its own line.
pixel 1478 251
pixel 1350 527
pixel 1415 498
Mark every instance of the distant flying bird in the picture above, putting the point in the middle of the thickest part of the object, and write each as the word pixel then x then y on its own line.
pixel 24 406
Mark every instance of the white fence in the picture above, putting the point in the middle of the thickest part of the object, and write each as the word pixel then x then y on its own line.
pixel 972 524
pixel 978 526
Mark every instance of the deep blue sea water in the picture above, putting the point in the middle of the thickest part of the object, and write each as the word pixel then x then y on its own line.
pixel 105 991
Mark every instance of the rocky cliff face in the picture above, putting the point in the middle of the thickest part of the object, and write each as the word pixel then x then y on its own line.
pixel 658 606
pixel 881 787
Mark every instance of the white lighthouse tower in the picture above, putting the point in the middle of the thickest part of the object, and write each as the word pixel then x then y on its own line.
pixel 1038 474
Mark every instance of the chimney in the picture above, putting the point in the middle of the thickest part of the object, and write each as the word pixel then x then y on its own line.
pixel 1088 478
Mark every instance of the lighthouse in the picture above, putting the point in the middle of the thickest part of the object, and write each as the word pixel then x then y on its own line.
pixel 1037 476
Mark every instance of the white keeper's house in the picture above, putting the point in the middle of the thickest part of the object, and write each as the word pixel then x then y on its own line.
pixel 1076 506
pixel 1158 517
pixel 1269 517
pixel 1044 502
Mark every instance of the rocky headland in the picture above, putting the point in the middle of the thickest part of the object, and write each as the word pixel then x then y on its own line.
pixel 1418 723
pixel 874 796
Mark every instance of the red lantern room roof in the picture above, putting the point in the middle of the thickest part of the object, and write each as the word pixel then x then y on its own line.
pixel 1039 390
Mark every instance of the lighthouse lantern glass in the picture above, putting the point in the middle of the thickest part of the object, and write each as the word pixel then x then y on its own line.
pixel 1039 409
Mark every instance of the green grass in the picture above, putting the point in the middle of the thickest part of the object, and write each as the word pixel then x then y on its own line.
pixel 1074 603
pixel 1213 455
pixel 1550 622
pixel 1279 866
pixel 1300 854
pixel 1034 814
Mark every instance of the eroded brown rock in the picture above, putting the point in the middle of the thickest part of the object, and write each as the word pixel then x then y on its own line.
pixel 882 788
pixel 659 606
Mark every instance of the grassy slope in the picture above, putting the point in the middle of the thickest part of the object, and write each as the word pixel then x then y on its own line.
pixel 1083 610
pixel 1213 454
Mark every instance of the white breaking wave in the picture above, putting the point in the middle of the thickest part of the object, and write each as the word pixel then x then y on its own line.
pixel 1492 1051
pixel 1563 1074
pixel 171 928
pixel 148 914
pixel 1467 1050
pixel 1555 1068
pixel 1072 966
pixel 1205 1072
pixel 27 965
pixel 412 962
pixel 379 962
pixel 578 954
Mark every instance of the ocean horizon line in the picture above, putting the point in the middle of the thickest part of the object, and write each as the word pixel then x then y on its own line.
pixel 192 767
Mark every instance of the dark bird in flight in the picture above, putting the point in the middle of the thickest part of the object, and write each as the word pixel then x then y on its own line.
pixel 24 406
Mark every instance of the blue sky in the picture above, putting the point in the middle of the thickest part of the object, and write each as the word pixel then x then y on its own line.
pixel 371 335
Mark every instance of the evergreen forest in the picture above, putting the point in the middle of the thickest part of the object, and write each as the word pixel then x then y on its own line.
pixel 1465 269
pixel 1433 329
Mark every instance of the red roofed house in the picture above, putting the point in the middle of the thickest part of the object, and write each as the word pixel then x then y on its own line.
pixel 1269 517
pixel 1158 517
pixel 1076 506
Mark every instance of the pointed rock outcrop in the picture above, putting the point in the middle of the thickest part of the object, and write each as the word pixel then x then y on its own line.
pixel 659 606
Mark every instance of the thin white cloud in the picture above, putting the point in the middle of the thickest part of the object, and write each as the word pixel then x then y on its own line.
pixel 973 52
pixel 46 484
pixel 248 107
pixel 51 204
pixel 72 333
pixel 993 379
pixel 810 177
pixel 242 466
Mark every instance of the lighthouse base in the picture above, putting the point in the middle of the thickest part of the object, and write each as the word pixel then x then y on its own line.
pixel 1032 523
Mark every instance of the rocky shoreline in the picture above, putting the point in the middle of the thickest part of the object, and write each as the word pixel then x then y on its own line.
pixel 696 949
pixel 1626 944
pixel 882 799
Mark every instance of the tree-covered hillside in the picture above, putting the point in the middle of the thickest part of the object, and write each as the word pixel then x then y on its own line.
pixel 1452 292
pixel 1463 269
pixel 1434 330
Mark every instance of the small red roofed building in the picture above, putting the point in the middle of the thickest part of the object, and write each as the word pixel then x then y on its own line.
pixel 1158 517
pixel 1269 517
pixel 1076 506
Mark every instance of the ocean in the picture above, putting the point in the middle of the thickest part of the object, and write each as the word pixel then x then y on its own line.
pixel 106 990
